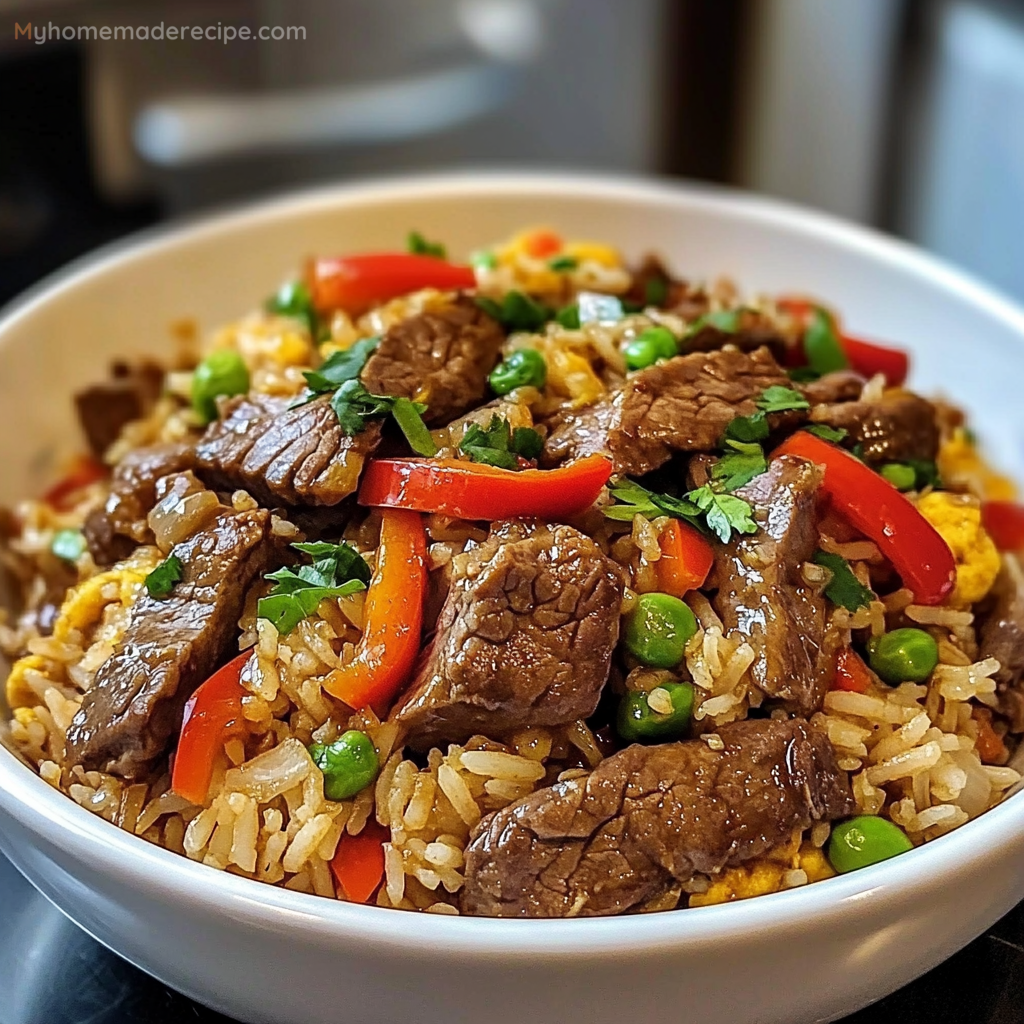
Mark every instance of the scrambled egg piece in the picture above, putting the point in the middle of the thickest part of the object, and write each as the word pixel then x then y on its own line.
pixel 762 876
pixel 597 252
pixel 84 604
pixel 960 463
pixel 19 693
pixel 570 375
pixel 957 518
pixel 266 341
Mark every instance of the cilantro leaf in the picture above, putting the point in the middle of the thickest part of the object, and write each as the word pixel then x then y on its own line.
pixel 407 415
pixel 498 445
pixel 337 571
pixel 563 263
pixel 802 374
pixel 293 299
pixel 354 405
pixel 822 346
pixel 748 428
pixel 634 500
pixel 340 367
pixel 827 433
pixel 778 398
pixel 844 589
pixel 569 317
pixel 725 320
pixel 724 513
pixel 68 544
pixel 418 245
pixel 739 465
pixel 160 582
pixel 516 312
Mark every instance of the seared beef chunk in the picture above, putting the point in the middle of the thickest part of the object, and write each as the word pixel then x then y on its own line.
pixel 898 426
pixel 278 454
pixel 761 595
pixel 648 817
pixel 840 386
pixel 115 530
pixel 103 409
pixel 441 357
pixel 170 646
pixel 683 404
pixel 1002 637
pixel 525 637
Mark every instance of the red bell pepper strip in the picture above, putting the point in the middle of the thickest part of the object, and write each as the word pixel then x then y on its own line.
pixel 83 471
pixel 851 672
pixel 358 863
pixel 472 490
pixel 686 559
pixel 870 503
pixel 356 283
pixel 392 617
pixel 865 357
pixel 213 715
pixel 1004 522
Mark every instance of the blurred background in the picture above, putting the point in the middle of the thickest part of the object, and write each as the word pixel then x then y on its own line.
pixel 903 114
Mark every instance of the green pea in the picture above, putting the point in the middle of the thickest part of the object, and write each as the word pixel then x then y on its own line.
pixel 221 373
pixel 903 656
pixel 349 764
pixel 657 630
pixel 863 841
pixel 524 368
pixel 649 346
pixel 638 723
pixel 900 475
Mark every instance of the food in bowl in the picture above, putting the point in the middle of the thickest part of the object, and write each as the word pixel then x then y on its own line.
pixel 536 586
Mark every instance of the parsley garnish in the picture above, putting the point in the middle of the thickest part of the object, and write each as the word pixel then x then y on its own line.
pixel 160 582
pixel 742 461
pixel 748 428
pixel 337 571
pixel 68 544
pixel 844 589
pixel 778 398
pixel 417 244
pixel 563 263
pixel 720 513
pixel 516 312
pixel 354 405
pixel 499 445
pixel 725 320
pixel 293 299
pixel 827 433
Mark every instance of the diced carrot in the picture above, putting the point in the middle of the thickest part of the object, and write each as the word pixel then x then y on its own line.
pixel 851 672
pixel 542 242
pixel 358 863
pixel 988 744
pixel 686 559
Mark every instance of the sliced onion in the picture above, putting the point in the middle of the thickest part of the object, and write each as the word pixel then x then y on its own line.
pixel 178 515
pixel 977 792
pixel 271 774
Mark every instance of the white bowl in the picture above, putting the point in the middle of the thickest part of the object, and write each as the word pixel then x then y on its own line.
pixel 266 954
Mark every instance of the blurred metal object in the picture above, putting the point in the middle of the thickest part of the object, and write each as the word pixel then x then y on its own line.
pixel 196 129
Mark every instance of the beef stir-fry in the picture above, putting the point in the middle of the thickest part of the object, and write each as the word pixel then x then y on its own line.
pixel 534 586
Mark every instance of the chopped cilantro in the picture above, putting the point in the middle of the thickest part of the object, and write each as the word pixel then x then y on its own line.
pixel 68 544
pixel 827 433
pixel 160 582
pixel 844 589
pixel 499 445
pixel 417 244
pixel 802 374
pixel 822 346
pixel 354 405
pixel 655 291
pixel 293 299
pixel 742 461
pixel 563 263
pixel 725 320
pixel 516 311
pixel 407 415
pixel 778 398
pixel 721 513
pixel 748 428
pixel 340 367
pixel 337 570
pixel 484 259
pixel 569 317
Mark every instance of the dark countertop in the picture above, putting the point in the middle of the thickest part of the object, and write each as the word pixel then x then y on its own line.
pixel 52 973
